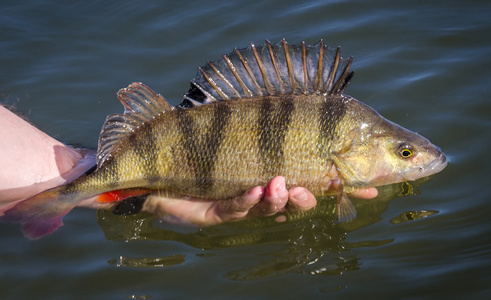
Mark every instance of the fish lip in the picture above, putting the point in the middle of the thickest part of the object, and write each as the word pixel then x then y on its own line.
pixel 436 166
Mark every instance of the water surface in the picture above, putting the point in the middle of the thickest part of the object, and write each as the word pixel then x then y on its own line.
pixel 423 64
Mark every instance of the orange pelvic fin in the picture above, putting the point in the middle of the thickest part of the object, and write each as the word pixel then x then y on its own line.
pixel 118 195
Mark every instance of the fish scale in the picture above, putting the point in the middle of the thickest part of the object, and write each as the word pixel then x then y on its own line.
pixel 207 155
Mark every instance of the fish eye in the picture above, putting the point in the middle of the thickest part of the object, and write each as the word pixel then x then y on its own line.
pixel 405 151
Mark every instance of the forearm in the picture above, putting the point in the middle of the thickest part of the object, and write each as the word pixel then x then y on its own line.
pixel 31 159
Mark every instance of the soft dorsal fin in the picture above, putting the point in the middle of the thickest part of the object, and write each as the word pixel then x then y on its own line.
pixel 141 105
pixel 270 69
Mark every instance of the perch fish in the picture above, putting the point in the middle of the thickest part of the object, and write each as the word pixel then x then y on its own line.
pixel 262 111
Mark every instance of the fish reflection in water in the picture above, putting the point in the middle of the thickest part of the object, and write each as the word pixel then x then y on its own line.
pixel 412 216
pixel 311 242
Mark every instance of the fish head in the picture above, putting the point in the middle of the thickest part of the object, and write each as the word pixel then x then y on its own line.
pixel 380 152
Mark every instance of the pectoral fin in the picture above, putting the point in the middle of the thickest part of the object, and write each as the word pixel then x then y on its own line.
pixel 345 209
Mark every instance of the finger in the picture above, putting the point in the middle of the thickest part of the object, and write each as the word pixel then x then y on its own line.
pixel 237 208
pixel 202 212
pixel 274 200
pixel 367 193
pixel 301 199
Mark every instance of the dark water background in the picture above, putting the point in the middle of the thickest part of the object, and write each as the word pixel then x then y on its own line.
pixel 423 64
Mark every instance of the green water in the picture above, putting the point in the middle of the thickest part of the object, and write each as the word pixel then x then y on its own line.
pixel 423 64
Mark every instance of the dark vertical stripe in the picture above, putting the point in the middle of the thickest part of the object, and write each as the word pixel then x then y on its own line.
pixel 111 173
pixel 186 128
pixel 331 112
pixel 274 120
pixel 147 150
pixel 201 144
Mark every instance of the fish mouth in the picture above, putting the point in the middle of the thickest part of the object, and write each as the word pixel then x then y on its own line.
pixel 436 166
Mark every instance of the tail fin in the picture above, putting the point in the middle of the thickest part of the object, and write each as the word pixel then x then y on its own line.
pixel 41 214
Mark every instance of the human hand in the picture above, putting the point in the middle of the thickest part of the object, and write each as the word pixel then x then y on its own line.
pixel 258 202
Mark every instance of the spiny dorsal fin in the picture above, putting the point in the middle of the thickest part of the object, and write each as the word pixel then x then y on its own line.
pixel 141 105
pixel 270 69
